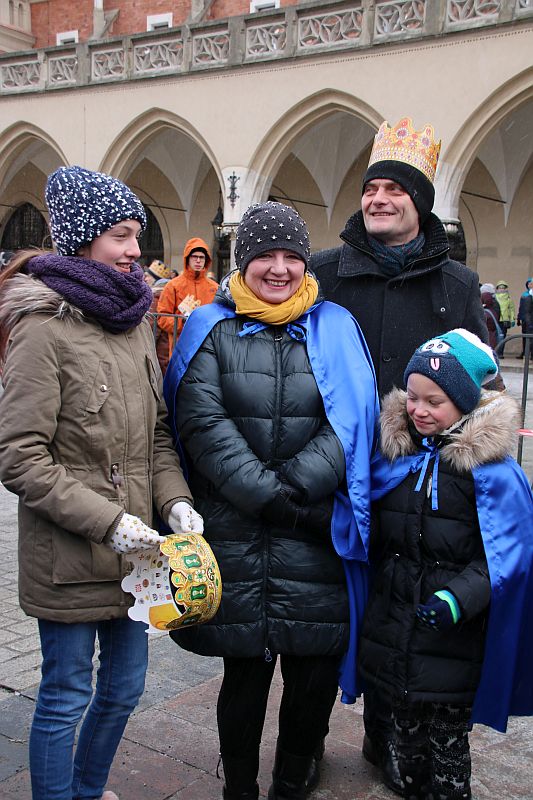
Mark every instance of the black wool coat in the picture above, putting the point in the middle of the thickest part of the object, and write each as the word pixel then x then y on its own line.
pixel 249 412
pixel 433 295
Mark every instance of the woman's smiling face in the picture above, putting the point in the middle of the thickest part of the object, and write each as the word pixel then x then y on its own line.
pixel 117 247
pixel 275 275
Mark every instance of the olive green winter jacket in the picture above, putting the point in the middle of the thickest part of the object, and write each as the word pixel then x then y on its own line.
pixel 82 439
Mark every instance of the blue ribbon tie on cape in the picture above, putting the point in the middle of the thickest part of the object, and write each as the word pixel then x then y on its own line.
pixel 343 370
pixel 505 512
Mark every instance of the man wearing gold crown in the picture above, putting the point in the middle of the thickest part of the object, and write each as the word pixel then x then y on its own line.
pixel 395 275
pixel 393 271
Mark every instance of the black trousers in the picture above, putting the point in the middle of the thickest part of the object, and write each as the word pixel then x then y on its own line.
pixel 377 715
pixel 309 690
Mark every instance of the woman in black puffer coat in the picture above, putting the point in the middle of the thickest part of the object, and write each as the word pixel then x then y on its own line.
pixel 265 463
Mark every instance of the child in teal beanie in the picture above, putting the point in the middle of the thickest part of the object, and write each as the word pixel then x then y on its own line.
pixel 443 633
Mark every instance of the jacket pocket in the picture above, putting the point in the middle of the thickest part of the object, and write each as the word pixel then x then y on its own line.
pixel 153 377
pixel 78 560
pixel 100 389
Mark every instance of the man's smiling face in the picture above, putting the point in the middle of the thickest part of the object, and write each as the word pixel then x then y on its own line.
pixel 389 213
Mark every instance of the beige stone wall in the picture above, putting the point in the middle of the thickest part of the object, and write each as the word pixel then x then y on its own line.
pixel 251 120
pixel 497 250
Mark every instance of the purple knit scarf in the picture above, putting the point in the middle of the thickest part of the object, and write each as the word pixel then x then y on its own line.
pixel 117 300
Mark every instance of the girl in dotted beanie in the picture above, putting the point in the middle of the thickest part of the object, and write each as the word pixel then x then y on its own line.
pixel 84 445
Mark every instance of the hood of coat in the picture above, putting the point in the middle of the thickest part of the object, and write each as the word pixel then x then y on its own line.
pixel 197 244
pixel 488 434
pixel 24 294
pixel 224 295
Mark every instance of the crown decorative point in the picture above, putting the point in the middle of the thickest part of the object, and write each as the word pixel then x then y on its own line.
pixel 403 143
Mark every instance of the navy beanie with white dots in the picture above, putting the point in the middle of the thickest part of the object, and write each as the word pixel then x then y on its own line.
pixel 83 204
pixel 270 226
pixel 457 361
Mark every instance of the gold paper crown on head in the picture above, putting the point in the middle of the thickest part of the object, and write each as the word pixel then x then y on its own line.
pixel 159 270
pixel 403 143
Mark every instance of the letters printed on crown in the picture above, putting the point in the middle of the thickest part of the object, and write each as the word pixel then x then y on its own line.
pixel 404 143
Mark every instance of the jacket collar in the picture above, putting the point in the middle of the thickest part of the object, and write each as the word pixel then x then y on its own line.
pixel 488 434
pixel 24 294
pixel 354 234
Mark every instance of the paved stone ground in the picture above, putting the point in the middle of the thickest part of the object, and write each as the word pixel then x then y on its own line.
pixel 170 748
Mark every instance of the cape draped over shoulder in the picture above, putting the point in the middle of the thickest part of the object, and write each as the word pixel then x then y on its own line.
pixel 504 506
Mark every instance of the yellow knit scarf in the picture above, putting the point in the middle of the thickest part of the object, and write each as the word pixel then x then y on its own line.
pixel 248 304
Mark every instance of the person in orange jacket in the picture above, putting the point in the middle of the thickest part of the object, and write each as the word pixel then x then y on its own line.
pixel 192 288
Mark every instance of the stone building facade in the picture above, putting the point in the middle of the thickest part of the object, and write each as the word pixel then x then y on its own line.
pixel 218 106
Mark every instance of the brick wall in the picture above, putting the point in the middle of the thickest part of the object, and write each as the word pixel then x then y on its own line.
pixel 133 13
pixel 229 8
pixel 54 16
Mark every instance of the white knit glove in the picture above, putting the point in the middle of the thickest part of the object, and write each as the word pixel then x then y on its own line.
pixel 132 534
pixel 184 519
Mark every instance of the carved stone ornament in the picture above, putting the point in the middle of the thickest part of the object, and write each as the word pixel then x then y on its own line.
pixel 62 70
pixel 461 10
pixel 21 75
pixel 211 48
pixel 148 58
pixel 324 29
pixel 108 64
pixel 400 17
pixel 266 39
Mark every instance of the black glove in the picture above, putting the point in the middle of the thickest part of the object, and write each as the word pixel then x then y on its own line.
pixel 284 510
pixel 317 518
pixel 437 614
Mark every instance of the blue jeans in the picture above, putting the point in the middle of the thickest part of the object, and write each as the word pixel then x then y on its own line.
pixel 66 691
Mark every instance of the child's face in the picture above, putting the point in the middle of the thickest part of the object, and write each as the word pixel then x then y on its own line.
pixel 428 406
pixel 117 247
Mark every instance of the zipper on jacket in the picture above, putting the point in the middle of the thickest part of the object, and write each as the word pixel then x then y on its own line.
pixel 268 655
pixel 278 337
pixel 116 477
pixel 119 484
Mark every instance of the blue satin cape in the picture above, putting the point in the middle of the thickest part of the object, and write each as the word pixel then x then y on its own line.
pixel 343 370
pixel 505 512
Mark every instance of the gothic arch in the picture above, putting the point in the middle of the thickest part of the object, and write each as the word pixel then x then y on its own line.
pixel 144 155
pixel 276 144
pixel 460 154
pixel 17 138
pixel 126 146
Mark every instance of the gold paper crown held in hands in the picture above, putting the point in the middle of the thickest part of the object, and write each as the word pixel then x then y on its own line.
pixel 194 582
pixel 175 586
pixel 403 143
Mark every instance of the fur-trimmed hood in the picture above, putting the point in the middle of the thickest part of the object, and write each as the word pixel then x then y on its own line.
pixel 24 294
pixel 488 434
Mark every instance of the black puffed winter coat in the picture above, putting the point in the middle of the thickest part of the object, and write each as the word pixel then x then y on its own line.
pixel 249 412
pixel 431 296
pixel 416 551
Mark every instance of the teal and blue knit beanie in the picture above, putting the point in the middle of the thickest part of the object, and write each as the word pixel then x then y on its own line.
pixel 458 362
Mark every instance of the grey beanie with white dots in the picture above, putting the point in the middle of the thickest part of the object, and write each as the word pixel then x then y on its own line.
pixel 83 204
pixel 270 226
